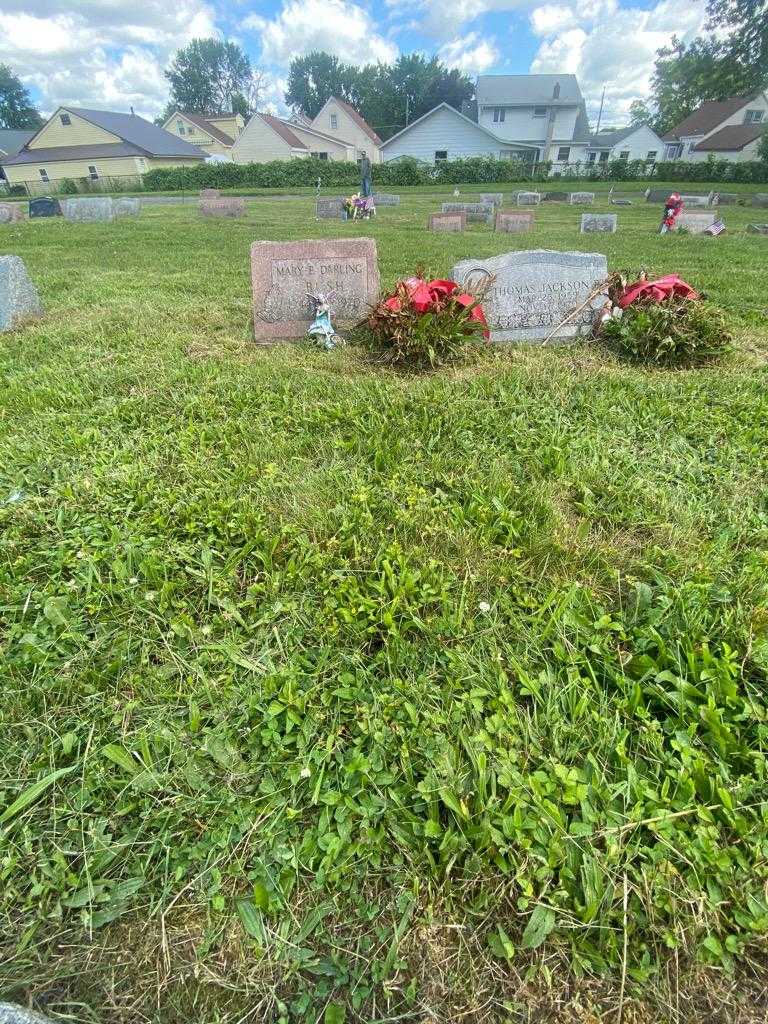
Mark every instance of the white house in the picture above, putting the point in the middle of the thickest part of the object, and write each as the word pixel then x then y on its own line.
pixel 728 129
pixel 546 112
pixel 339 120
pixel 638 143
pixel 267 137
pixel 445 134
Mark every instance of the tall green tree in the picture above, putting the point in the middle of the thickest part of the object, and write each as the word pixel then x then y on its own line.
pixel 684 77
pixel 313 79
pixel 208 76
pixel 16 107
pixel 747 21
pixel 387 95
pixel 639 113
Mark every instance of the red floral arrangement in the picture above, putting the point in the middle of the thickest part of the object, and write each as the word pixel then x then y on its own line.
pixel 426 322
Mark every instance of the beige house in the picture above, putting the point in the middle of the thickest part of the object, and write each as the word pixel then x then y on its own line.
pixel 216 135
pixel 267 137
pixel 341 121
pixel 728 129
pixel 94 144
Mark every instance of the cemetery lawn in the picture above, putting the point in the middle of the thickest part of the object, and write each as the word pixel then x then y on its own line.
pixel 331 693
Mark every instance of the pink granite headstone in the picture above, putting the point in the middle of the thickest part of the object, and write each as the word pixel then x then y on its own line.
pixel 452 222
pixel 514 222
pixel 284 274
pixel 226 206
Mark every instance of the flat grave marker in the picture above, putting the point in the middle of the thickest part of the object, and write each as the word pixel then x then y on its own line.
pixel 534 290
pixel 11 212
pixel 330 209
pixel 757 229
pixel 581 198
pixel 528 198
pixel 210 193
pixel 127 206
pixel 385 199
pixel 477 212
pixel 284 274
pixel 494 198
pixel 696 223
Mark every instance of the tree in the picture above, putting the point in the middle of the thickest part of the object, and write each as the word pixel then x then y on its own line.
pixel 748 41
pixel 684 77
pixel 387 95
pixel 762 149
pixel 639 113
pixel 16 108
pixel 313 79
pixel 208 76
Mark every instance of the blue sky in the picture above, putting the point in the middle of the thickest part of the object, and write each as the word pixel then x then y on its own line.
pixel 110 53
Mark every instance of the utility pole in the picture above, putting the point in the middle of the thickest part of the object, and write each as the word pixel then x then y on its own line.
pixel 600 115
pixel 407 108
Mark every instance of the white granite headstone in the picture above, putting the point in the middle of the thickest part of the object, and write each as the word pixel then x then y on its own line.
pixel 88 209
pixel 592 223
pixel 532 291
pixel 18 296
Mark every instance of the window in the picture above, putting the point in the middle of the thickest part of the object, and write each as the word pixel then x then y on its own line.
pixel 652 154
pixel 65 119
pixel 563 154
pixel 753 117
pixel 539 111
pixel 334 122
pixel 44 174
pixel 321 156
pixel 191 130
pixel 604 154
pixel 498 115
pixel 93 174
pixel 441 154
pixel 180 127
pixel 591 157
pixel 624 154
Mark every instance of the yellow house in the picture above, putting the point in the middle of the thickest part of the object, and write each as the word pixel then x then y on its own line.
pixel 216 135
pixel 341 121
pixel 267 137
pixel 95 144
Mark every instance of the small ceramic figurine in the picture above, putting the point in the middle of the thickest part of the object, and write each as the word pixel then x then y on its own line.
pixel 321 327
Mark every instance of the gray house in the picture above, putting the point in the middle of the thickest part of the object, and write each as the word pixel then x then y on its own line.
pixel 635 143
pixel 11 141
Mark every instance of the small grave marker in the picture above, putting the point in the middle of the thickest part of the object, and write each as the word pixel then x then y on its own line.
pixel 621 202
pixel 224 206
pixel 210 193
pixel 757 229
pixel 555 197
pixel 592 223
pixel 581 198
pixel 45 206
pixel 330 209
pixel 478 212
pixel 18 296
pixel 514 222
pixel 88 209
pixel 450 222
pixel 127 206
pixel 528 198
pixel 760 199
pixel 695 223
pixel 494 198
pixel 385 199
pixel 534 290
pixel 10 212
pixel 284 274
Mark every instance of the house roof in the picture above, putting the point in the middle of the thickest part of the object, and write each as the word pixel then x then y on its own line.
pixel 131 128
pixel 607 140
pixel 358 119
pixel 707 117
pixel 732 137
pixel 207 126
pixel 455 112
pixel 313 131
pixel 527 90
pixel 283 130
pixel 93 151
pixel 12 139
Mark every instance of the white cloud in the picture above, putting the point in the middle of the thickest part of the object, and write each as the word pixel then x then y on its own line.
pixel 469 53
pixel 604 44
pixel 336 26
pixel 99 53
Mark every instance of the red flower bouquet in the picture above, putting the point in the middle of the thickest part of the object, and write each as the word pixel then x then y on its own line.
pixel 426 322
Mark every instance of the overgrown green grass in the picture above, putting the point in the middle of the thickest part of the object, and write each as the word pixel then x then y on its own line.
pixel 329 689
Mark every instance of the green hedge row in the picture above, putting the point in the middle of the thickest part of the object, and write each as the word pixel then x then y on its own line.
pixel 475 170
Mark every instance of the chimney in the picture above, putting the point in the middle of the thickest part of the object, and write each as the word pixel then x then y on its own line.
pixel 131 109
pixel 556 91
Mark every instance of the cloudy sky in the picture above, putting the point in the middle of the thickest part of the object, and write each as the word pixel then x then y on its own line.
pixel 110 53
